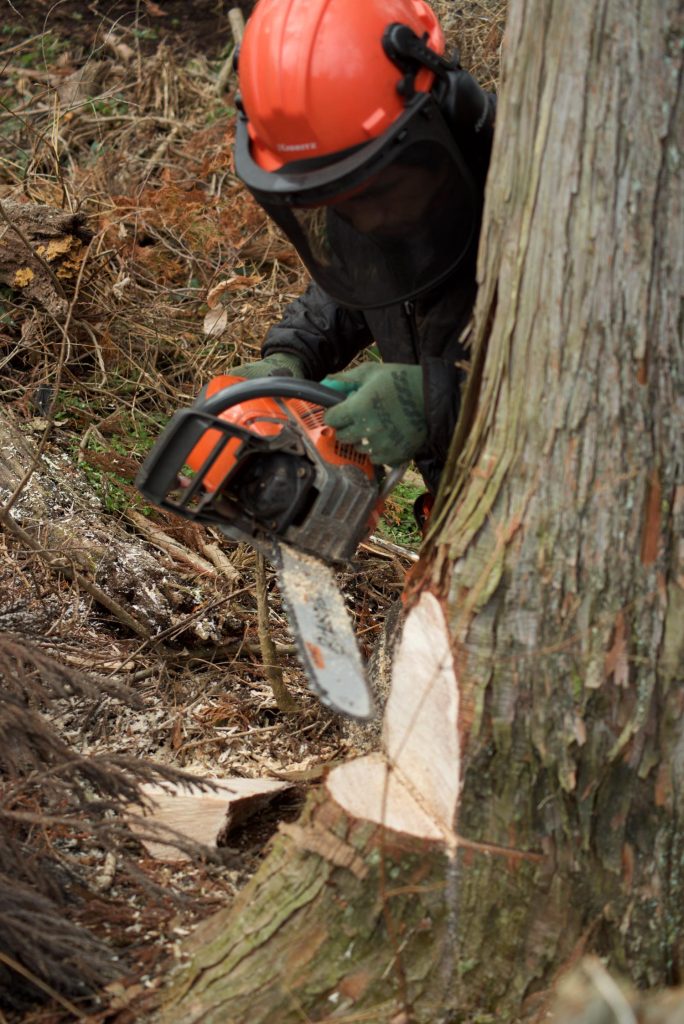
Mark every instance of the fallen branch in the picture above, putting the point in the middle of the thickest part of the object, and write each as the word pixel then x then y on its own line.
pixel 157 536
pixel 220 559
pixel 274 673
pixel 386 549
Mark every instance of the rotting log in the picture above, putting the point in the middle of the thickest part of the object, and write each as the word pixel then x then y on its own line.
pixel 41 247
pixel 528 804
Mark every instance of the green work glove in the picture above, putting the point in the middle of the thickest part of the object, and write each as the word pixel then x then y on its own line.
pixel 279 364
pixel 384 413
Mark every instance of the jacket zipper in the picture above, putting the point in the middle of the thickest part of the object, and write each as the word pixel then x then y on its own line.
pixel 410 311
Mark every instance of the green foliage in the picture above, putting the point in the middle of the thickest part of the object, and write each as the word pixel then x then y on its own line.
pixel 219 113
pixel 108 486
pixel 145 33
pixel 139 435
pixel 398 523
pixel 111 106
pixel 135 435
pixel 44 52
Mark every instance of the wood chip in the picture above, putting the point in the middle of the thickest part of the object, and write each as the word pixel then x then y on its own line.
pixel 202 816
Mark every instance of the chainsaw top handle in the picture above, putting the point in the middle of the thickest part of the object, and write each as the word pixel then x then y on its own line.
pixel 272 387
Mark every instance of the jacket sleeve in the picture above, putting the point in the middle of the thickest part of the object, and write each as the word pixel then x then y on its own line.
pixel 443 382
pixel 325 336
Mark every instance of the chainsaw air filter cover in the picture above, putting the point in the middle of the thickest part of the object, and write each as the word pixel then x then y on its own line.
pixel 256 458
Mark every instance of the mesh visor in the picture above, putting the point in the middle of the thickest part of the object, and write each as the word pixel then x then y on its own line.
pixel 398 218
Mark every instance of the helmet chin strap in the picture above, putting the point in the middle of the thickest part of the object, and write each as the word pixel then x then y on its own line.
pixel 410 53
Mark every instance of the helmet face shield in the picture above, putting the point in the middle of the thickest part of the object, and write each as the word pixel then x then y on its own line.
pixel 380 223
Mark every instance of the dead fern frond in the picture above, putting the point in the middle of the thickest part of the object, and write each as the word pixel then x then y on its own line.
pixel 51 796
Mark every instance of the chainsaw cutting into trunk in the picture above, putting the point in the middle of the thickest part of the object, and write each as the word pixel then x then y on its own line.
pixel 256 459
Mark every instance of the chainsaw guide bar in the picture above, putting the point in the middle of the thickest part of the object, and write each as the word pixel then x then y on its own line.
pixel 323 633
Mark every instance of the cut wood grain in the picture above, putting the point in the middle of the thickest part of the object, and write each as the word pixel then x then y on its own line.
pixel 203 816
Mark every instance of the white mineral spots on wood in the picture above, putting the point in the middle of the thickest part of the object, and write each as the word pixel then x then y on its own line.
pixel 413 787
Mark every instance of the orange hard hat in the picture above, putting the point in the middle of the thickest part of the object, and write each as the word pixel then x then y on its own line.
pixel 315 79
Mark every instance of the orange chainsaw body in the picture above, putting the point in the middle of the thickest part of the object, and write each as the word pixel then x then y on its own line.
pixel 267 417
pixel 256 458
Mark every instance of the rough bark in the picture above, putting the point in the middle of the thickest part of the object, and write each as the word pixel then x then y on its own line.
pixel 529 801
pixel 560 555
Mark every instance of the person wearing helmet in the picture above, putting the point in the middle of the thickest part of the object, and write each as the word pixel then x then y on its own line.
pixel 369 149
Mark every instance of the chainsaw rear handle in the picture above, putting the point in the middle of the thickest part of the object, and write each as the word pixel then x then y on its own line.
pixel 158 475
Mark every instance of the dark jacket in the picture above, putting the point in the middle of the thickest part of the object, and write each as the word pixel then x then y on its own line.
pixel 327 336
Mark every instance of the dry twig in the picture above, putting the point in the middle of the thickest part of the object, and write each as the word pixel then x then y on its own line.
pixel 274 673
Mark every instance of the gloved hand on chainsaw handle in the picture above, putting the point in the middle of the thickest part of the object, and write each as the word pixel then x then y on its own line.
pixel 279 364
pixel 383 414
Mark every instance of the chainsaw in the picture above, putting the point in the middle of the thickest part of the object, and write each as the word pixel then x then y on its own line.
pixel 256 459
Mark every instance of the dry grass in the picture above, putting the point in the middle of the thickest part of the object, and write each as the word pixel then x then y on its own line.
pixel 475 28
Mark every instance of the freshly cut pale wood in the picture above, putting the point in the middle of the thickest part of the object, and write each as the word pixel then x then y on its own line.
pixel 369 789
pixel 202 816
pixel 413 785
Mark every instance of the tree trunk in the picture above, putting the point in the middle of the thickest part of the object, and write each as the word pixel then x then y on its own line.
pixel 528 803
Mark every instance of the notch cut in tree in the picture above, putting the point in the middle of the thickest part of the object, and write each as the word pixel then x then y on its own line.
pixel 202 815
pixel 536 812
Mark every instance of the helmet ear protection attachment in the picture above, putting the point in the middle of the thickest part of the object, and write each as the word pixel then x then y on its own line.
pixel 411 53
